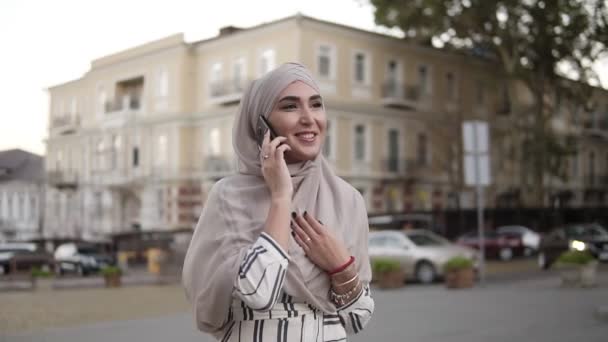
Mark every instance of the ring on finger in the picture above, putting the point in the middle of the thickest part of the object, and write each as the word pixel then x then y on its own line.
pixel 265 156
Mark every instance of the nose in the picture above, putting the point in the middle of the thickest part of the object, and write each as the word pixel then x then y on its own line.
pixel 306 116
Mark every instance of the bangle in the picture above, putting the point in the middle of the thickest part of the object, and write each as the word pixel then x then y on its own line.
pixel 347 282
pixel 343 267
pixel 342 299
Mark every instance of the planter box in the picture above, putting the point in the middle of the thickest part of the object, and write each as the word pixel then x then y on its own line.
pixel 460 279
pixel 112 280
pixel 391 280
pixel 579 275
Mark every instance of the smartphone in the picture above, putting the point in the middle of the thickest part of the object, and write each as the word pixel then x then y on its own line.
pixel 263 127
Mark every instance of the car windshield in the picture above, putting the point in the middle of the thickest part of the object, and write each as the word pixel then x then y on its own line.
pixel 421 239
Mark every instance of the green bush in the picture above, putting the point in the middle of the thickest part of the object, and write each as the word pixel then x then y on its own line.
pixel 458 263
pixel 111 270
pixel 38 273
pixel 575 257
pixel 384 265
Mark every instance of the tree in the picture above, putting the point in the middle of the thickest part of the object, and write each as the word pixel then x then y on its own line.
pixel 549 45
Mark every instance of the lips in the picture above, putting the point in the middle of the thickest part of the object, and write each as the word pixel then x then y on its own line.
pixel 306 136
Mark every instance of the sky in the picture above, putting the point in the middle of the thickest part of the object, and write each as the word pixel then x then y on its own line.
pixel 51 42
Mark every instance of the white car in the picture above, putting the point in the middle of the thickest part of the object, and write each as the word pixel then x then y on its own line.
pixel 529 238
pixel 421 253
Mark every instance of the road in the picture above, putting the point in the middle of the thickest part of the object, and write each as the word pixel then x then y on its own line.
pixel 521 309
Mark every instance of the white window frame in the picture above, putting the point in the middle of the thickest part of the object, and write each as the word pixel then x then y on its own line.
pixel 213 148
pixel 333 61
pixel 367 73
pixel 270 55
pixel 73 108
pixel 400 64
pixel 162 150
pixel 367 143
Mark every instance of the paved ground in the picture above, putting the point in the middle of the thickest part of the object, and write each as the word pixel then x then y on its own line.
pixel 522 308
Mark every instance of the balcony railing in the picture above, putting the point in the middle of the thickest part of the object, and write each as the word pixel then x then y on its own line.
pixel 395 94
pixel 227 91
pixel 123 103
pixel 62 178
pixel 65 123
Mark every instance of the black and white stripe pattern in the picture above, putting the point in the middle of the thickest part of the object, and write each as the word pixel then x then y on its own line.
pixel 263 311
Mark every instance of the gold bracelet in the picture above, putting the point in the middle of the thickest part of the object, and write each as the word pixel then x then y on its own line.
pixel 347 282
pixel 343 299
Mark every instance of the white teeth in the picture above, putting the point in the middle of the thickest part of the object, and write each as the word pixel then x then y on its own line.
pixel 306 135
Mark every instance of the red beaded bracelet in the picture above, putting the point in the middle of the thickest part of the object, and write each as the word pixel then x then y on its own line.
pixel 343 267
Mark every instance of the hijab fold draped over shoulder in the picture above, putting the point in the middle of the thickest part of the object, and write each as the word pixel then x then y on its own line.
pixel 237 206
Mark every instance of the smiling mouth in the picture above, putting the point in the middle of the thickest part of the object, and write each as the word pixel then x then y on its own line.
pixel 306 136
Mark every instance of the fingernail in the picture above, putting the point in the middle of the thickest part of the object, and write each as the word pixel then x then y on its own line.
pixel 320 221
pixel 305 213
pixel 293 234
pixel 293 214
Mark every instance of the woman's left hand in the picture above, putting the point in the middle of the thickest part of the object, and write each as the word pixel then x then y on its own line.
pixel 320 245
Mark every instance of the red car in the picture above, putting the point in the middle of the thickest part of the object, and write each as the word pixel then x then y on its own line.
pixel 496 245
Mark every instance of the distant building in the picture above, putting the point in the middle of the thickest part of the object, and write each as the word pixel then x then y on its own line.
pixel 21 195
pixel 138 140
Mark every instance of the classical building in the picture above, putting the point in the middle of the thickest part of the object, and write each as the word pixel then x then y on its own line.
pixel 21 195
pixel 137 141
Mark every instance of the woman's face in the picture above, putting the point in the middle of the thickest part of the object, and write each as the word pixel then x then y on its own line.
pixel 299 115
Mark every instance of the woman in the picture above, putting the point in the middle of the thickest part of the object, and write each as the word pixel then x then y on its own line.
pixel 280 250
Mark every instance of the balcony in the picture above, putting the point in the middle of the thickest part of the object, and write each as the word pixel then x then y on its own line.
pixel 399 95
pixel 408 168
pixel 65 124
pixel 227 92
pixel 62 179
pixel 597 125
pixel 122 104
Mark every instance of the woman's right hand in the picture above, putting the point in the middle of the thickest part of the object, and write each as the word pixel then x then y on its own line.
pixel 274 168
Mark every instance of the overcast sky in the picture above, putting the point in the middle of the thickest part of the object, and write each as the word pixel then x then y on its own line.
pixel 50 42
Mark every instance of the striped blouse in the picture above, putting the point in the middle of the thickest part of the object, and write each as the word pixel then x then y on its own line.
pixel 262 311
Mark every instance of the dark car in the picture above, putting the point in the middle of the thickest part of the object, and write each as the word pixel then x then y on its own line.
pixel 591 237
pixel 81 258
pixel 23 257
pixel 503 246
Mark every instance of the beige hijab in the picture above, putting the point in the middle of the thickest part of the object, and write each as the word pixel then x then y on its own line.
pixel 237 206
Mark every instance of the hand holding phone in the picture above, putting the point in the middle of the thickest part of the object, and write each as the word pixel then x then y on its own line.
pixel 263 127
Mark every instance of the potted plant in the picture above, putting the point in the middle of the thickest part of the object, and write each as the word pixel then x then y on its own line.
pixel 577 268
pixel 388 273
pixel 112 276
pixel 41 279
pixel 459 273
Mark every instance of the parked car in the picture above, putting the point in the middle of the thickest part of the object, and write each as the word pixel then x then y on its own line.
pixel 529 238
pixel 503 246
pixel 81 258
pixel 590 237
pixel 420 253
pixel 24 256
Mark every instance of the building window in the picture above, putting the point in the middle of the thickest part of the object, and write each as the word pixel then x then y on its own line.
pixel 116 143
pixel 393 150
pixel 591 168
pixel 160 198
pixel 59 160
pixel 73 108
pixel 575 161
pixel 9 205
pixel 423 79
pixel 325 61
pixel 422 149
pixel 213 148
pixel 360 154
pixel 100 155
pixel 163 82
pixel 267 61
pixel 135 156
pixel 97 205
pixel 20 206
pixel 329 140
pixel 450 86
pixel 33 208
pixel 161 149
pixel 215 79
pixel 238 74
pixel 360 61
pixel 101 101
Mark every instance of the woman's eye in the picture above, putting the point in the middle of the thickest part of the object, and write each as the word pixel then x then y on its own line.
pixel 290 106
pixel 317 105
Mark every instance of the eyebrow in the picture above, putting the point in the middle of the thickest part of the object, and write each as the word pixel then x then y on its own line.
pixel 297 98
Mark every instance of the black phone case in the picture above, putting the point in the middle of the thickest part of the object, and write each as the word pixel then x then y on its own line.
pixel 263 127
